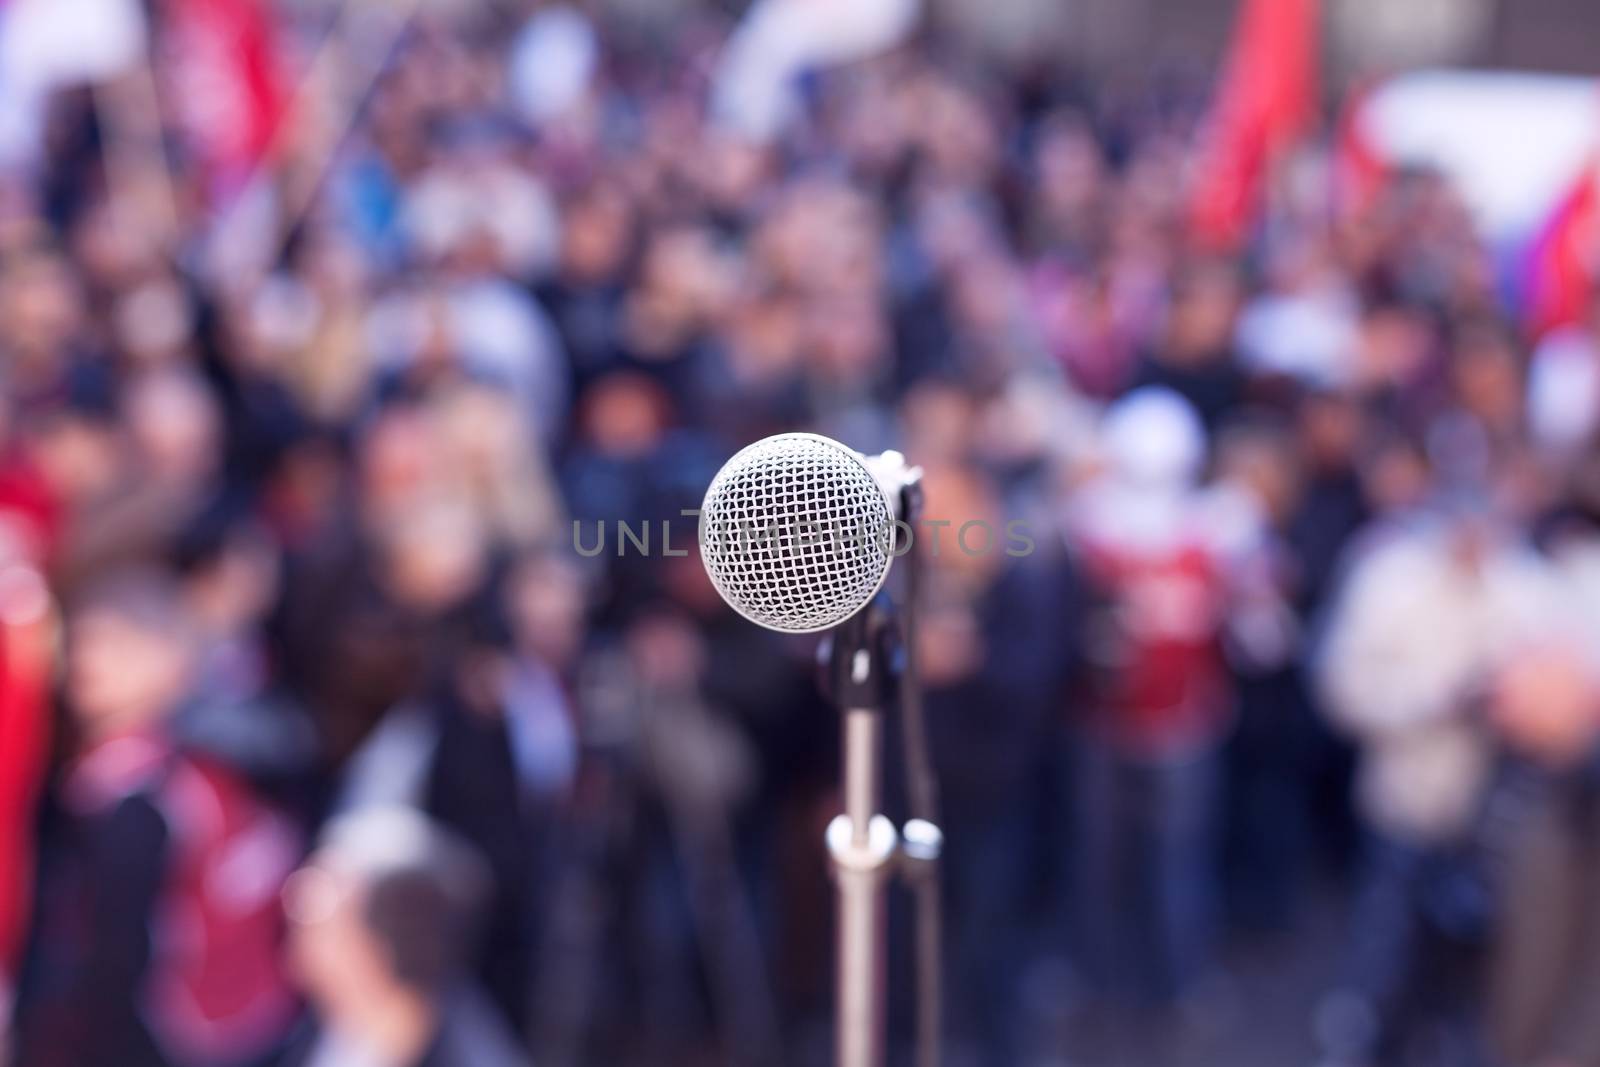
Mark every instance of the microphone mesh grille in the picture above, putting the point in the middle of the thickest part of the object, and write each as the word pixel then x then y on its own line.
pixel 796 533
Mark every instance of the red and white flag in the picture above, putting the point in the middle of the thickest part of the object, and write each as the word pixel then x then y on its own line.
pixel 1266 97
pixel 228 82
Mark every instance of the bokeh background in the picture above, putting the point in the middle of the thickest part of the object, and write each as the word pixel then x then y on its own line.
pixel 331 329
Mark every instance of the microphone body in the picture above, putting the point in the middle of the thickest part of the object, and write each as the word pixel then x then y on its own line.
pixel 797 531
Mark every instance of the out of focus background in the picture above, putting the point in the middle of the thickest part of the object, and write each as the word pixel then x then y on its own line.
pixel 340 727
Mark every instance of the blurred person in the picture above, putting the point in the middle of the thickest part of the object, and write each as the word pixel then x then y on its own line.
pixel 546 611
pixel 1329 434
pixel 1563 389
pixel 427 649
pixel 1303 326
pixel 684 284
pixel 1396 347
pixel 998 628
pixel 46 346
pixel 1541 828
pixel 1194 355
pixel 320 312
pixel 1156 706
pixel 996 334
pixel 1486 379
pixel 585 291
pixel 1333 508
pixel 169 469
pixel 1078 320
pixel 1256 491
pixel 1072 174
pixel 242 354
pixel 667 775
pixel 1426 613
pixel 230 573
pixel 383 919
pixel 157 935
pixel 489 451
pixel 758 386
pixel 466 322
pixel 847 347
pixel 475 204
pixel 375 612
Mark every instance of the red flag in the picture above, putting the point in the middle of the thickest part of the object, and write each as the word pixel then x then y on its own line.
pixel 1265 98
pixel 228 81
pixel 1562 260
pixel 25 669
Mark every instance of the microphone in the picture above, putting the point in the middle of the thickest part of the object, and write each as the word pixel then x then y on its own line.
pixel 797 531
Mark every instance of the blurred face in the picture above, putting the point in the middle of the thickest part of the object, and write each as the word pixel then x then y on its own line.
pixel 938 422
pixel 1396 478
pixel 848 338
pixel 595 236
pixel 175 426
pixel 437 557
pixel 77 456
pixel 1545 706
pixel 1265 469
pixel 41 304
pixel 1488 382
pixel 122 675
pixel 1393 347
pixel 626 415
pixel 764 339
pixel 547 608
pixel 667 652
pixel 1070 167
pixel 1203 315
pixel 1330 430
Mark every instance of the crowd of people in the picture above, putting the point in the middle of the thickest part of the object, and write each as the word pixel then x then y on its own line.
pixel 354 757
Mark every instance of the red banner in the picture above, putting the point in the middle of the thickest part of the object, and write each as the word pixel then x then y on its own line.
pixel 1265 98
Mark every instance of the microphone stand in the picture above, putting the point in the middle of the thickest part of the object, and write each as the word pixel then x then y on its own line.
pixel 861 842
pixel 861 670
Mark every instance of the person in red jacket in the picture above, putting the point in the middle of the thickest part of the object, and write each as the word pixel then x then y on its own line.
pixel 1156 706
pixel 158 928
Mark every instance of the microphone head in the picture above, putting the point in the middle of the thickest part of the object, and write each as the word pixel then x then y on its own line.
pixel 796 533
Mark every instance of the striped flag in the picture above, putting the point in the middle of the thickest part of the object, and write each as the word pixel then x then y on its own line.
pixel 1562 259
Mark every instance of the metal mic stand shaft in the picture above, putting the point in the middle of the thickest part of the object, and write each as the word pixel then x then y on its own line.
pixel 862 841
pixel 866 850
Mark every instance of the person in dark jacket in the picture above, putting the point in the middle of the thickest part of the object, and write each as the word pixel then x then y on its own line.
pixel 1543 831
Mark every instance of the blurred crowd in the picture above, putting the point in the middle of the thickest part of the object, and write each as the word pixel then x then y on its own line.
pixel 354 759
